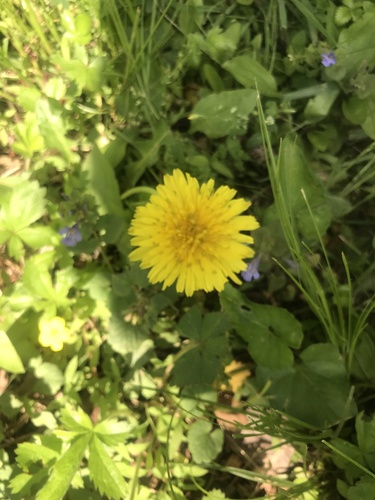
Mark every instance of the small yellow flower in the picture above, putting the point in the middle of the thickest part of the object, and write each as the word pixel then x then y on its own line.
pixel 192 234
pixel 53 333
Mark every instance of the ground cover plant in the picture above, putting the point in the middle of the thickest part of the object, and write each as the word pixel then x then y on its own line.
pixel 187 249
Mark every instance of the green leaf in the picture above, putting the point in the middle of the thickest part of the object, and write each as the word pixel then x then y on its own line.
pixel 354 46
pixel 64 470
pixel 365 427
pixel 112 432
pixel 52 127
pixel 361 112
pixel 319 106
pixel 38 236
pixel 201 361
pixel 270 331
pixel 37 278
pixel 9 358
pixel 295 176
pixel 30 453
pixel 252 75
pixel 124 337
pixel 104 472
pixel 102 183
pixel 223 114
pixel 149 153
pixel 316 390
pixel 363 489
pixel 204 443
pixel 216 494
pixel 50 378
pixel 21 205
pixel 76 420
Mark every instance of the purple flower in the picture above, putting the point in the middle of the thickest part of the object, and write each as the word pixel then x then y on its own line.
pixel 251 272
pixel 72 235
pixel 328 59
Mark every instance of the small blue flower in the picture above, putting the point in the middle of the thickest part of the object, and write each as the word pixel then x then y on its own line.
pixel 251 272
pixel 328 59
pixel 72 235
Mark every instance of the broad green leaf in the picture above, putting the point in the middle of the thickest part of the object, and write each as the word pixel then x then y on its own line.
pixel 316 390
pixel 37 278
pixel 124 337
pixel 30 453
pixel 354 47
pixel 9 358
pixel 22 205
pixel 296 175
pixel 24 335
pixel 52 127
pixel 102 183
pixel 112 432
pixel 76 420
pixel 363 489
pixel 252 75
pixel 64 469
pixel 201 361
pixel 365 427
pixel 223 114
pixel 104 472
pixel 361 112
pixel 38 236
pixel 50 378
pixel 204 443
pixel 319 106
pixel 270 331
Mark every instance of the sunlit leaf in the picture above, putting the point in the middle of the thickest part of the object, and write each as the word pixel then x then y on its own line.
pixel 204 443
pixel 223 114
pixel 64 469
pixel 9 358
pixel 104 472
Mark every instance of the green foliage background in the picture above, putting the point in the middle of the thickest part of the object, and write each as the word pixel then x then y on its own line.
pixel 99 99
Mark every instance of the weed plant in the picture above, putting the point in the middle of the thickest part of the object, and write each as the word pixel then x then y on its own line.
pixel 114 368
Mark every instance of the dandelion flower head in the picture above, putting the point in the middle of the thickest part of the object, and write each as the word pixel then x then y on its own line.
pixel 192 234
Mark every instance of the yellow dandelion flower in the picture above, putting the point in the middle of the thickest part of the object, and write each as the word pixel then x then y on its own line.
pixel 53 333
pixel 192 234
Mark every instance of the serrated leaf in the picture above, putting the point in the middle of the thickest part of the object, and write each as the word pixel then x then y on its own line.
pixel 104 472
pixel 9 358
pixel 204 443
pixel 252 75
pixel 76 420
pixel 224 113
pixel 111 431
pixel 29 453
pixel 64 469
